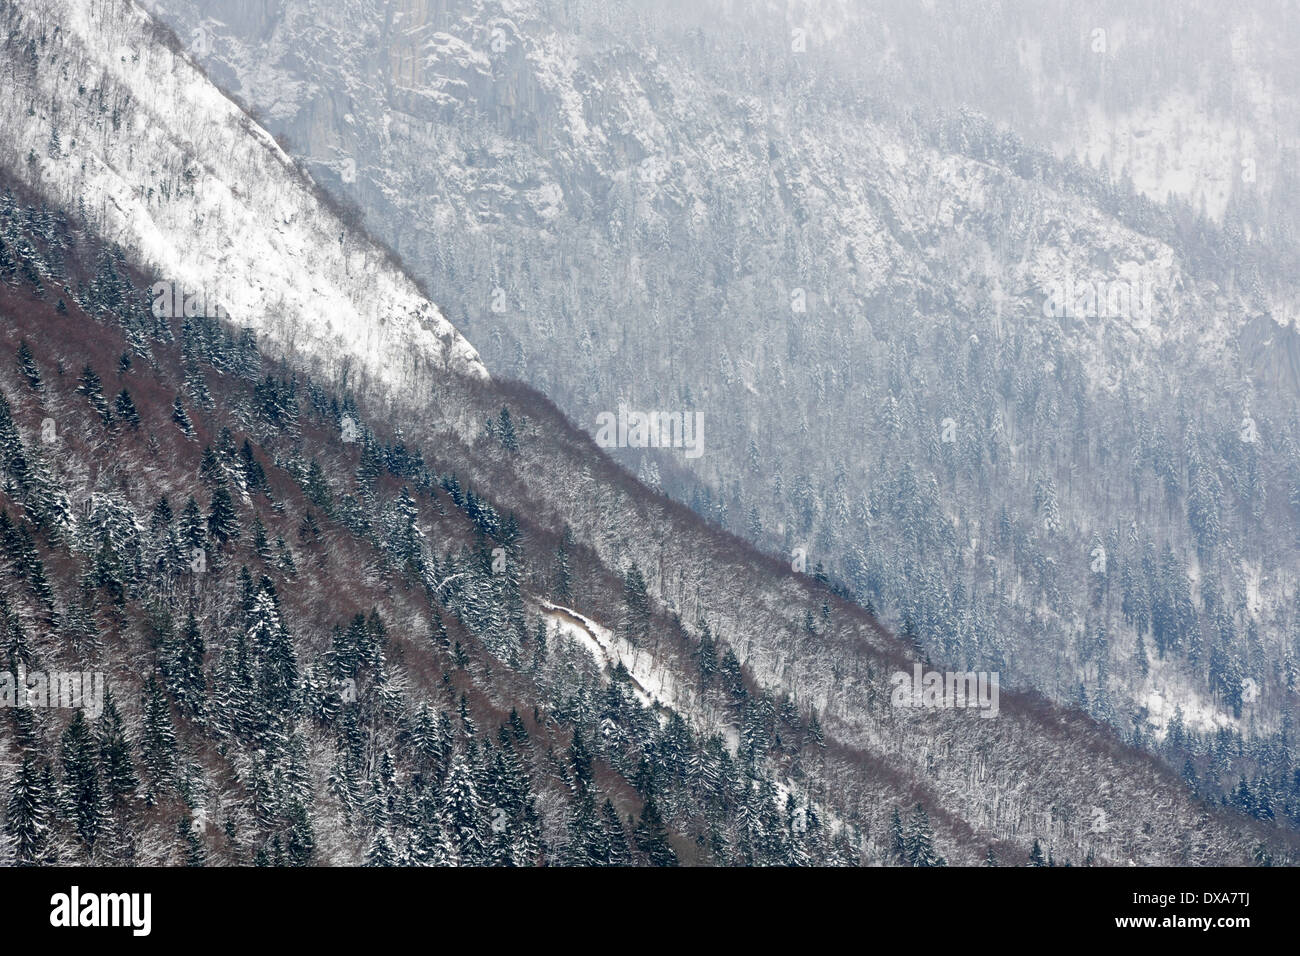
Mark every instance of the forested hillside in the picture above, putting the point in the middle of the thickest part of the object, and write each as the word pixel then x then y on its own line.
pixel 323 643
pixel 844 236
pixel 318 647
pixel 353 600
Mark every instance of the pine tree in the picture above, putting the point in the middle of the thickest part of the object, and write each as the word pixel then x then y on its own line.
pixel 301 842
pixel 1036 855
pixel 615 836
pixel 210 467
pixel 27 817
pixel 120 779
pixel 8 268
pixel 563 572
pixel 184 668
pixel 27 366
pixel 192 848
pixel 196 386
pixel 919 840
pixel 261 545
pixel 636 601
pixel 89 384
pixel 232 691
pixel 463 813
pixel 125 408
pixel 651 836
pixel 223 521
pixel 157 742
pixel 381 851
pixel 277 664
pixel 1140 656
pixel 317 488
pixel 506 431
pixel 250 468
pixel 408 540
pixel 897 839
pixel 181 418
pixel 83 797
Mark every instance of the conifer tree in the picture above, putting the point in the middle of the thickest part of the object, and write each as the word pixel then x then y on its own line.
pixel 563 570
pixel 636 600
pixel 317 488
pixel 223 521
pixel 83 796
pixel 192 848
pixel 652 836
pixel 261 545
pixel 381 851
pixel 506 431
pixel 1036 855
pixel 27 366
pixel 462 812
pixel 125 409
pixel 181 418
pixel 184 670
pixel 615 836
pixel 919 840
pixel 27 815
pixel 157 742
pixel 897 839
pixel 120 779
pixel 90 385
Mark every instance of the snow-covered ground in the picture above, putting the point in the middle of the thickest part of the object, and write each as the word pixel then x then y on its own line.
pixel 165 165
pixel 653 686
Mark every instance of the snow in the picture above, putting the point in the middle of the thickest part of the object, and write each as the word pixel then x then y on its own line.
pixel 207 199
pixel 1165 690
pixel 652 686
pixel 1172 149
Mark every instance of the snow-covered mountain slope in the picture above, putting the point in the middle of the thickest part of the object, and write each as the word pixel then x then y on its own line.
pixel 768 667
pixel 110 121
pixel 281 682
pixel 362 636
pixel 795 223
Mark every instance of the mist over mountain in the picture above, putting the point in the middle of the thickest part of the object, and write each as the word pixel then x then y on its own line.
pixel 601 435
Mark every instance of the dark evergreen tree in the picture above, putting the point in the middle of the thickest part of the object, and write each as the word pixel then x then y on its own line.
pixel 157 742
pixel 125 409
pixel 120 780
pixel 90 385
pixel 919 840
pixel 184 668
pixel 651 836
pixel 181 418
pixel 27 816
pixel 1036 855
pixel 27 366
pixel 506 431
pixel 223 521
pixel 83 796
